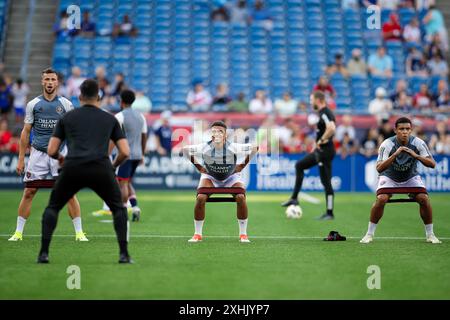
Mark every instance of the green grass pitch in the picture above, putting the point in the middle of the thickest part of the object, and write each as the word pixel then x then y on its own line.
pixel 286 259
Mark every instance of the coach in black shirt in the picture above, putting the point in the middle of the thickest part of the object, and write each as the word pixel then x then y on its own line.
pixel 87 132
pixel 322 156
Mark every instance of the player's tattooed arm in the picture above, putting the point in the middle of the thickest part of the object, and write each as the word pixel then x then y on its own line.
pixel 23 145
pixel 384 164
pixel 426 161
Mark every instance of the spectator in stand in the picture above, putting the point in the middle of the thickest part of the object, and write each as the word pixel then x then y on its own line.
pixel 369 145
pixel 6 99
pixel 356 65
pixel 411 33
pixel 392 30
pixel 441 99
pixel 60 28
pixel 87 26
pixel 380 64
pixel 345 127
pixel 125 29
pixel 20 91
pixel 5 135
pixel 118 84
pixel 222 98
pixel 388 4
pixel 163 134
pixel 401 86
pixel 238 11
pixel 199 99
pixel 437 65
pixel 330 94
pixel 424 5
pixel 422 99
pixel 337 67
pixel 385 130
pixel 239 105
pixel 287 106
pixel 418 130
pixel 434 24
pixel 403 103
pixel 267 136
pixel 142 103
pixel 73 84
pixel 440 140
pixel 260 104
pixel 381 106
pixel 416 65
pixel 291 137
pixel 435 46
pixel 220 14
pixel 261 14
pixel 103 82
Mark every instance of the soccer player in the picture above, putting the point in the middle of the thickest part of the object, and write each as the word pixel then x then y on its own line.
pixel 87 131
pixel 322 155
pixel 42 113
pixel 398 157
pixel 134 125
pixel 222 165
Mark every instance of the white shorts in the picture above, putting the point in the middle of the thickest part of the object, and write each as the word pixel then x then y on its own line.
pixel 41 166
pixel 228 182
pixel 414 182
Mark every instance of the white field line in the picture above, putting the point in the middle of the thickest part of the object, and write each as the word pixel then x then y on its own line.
pixel 217 236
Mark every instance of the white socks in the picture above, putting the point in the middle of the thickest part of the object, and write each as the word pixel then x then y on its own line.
pixel 77 224
pixel 372 227
pixel 429 229
pixel 242 226
pixel 20 224
pixel 198 224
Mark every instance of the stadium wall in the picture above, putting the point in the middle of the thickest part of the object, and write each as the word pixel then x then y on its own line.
pixel 355 173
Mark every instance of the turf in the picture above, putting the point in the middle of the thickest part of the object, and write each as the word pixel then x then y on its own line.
pixel 286 259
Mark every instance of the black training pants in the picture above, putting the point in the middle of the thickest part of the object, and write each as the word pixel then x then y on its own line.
pixel 98 176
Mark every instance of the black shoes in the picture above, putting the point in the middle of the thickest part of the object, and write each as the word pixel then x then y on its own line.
pixel 125 258
pixel 326 216
pixel 43 258
pixel 290 202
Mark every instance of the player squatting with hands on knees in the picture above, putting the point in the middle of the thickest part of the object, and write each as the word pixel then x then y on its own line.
pixel 220 163
pixel 397 162
pixel 42 113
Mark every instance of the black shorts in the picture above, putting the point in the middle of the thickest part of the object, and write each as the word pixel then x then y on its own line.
pixel 127 169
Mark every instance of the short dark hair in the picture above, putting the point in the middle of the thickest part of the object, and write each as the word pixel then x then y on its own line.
pixel 89 89
pixel 127 96
pixel 50 70
pixel 402 120
pixel 319 95
pixel 219 124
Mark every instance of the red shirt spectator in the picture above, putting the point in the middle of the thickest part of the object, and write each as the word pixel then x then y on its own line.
pixel 5 135
pixel 423 98
pixel 392 29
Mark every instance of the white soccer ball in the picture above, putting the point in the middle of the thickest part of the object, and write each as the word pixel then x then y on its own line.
pixel 294 212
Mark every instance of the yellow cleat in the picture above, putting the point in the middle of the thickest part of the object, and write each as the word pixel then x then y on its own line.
pixel 101 212
pixel 16 236
pixel 81 236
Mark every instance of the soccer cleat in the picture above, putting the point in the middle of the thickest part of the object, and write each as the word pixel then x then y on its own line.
pixel 243 238
pixel 125 258
pixel 81 236
pixel 16 236
pixel 195 238
pixel 43 258
pixel 432 239
pixel 368 238
pixel 101 212
pixel 325 216
pixel 290 202
pixel 136 214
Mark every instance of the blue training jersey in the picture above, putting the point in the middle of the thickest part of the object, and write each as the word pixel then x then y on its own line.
pixel 43 116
